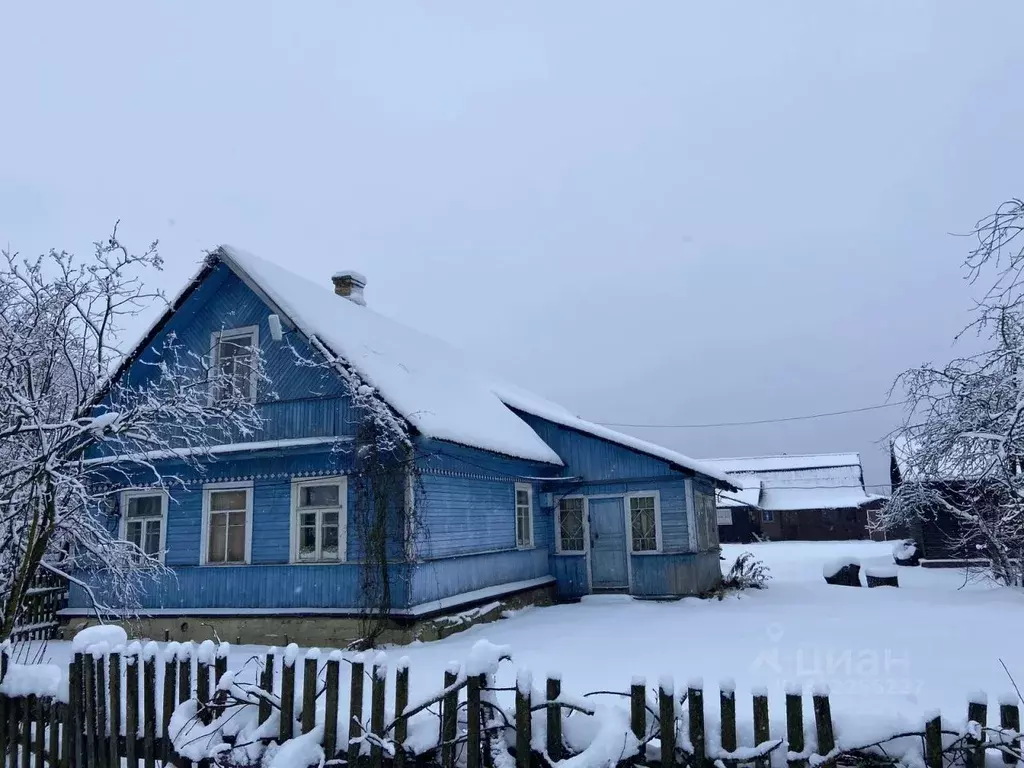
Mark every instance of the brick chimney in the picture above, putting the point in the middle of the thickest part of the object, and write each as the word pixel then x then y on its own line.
pixel 350 284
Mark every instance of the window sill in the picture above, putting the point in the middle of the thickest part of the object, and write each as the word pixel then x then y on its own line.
pixel 571 553
pixel 318 562
pixel 525 547
pixel 223 565
pixel 647 553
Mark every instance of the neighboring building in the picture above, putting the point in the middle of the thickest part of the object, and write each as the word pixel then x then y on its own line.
pixel 813 497
pixel 514 494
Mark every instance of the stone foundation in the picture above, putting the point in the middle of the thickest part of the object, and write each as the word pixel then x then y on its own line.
pixel 321 631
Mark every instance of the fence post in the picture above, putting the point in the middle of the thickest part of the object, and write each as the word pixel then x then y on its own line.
pixel 185 671
pixel 91 726
pixel 554 715
pixel 3 700
pixel 331 709
pixel 170 678
pixel 114 747
pixel 76 718
pixel 795 723
pixel 449 714
pixel 977 711
pixel 695 696
pixel 473 721
pixel 638 711
pixel 40 745
pixel 220 664
pixel 727 709
pixel 27 706
pixel 1009 720
pixel 12 730
pixel 524 717
pixel 288 691
pixel 933 741
pixel 377 702
pixel 401 702
pixel 204 660
pixel 267 685
pixel 823 720
pixel 310 670
pixel 355 711
pixel 762 730
pixel 100 662
pixel 149 653
pixel 667 720
pixel 53 714
pixel 131 711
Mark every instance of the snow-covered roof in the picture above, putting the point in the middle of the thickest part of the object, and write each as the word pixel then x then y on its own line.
pixel 817 481
pixel 749 494
pixel 784 461
pixel 434 387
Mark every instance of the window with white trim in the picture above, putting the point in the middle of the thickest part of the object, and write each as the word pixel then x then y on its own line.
pixel 767 516
pixel 524 515
pixel 144 520
pixel 643 521
pixel 227 512
pixel 234 363
pixel 319 520
pixel 571 528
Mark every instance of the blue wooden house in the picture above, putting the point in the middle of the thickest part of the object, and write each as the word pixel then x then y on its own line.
pixel 514 495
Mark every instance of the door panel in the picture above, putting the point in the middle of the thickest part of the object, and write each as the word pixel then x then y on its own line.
pixel 608 567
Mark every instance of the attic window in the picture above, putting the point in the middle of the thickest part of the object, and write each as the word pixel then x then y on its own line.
pixel 234 369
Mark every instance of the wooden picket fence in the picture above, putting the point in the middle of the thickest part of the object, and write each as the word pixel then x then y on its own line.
pixel 42 602
pixel 87 731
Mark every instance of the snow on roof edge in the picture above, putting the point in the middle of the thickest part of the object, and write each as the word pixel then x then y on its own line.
pixel 554 413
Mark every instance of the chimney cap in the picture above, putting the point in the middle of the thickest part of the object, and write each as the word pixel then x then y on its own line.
pixel 350 274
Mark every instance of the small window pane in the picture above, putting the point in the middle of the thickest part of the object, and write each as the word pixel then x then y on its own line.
pixel 134 533
pixel 319 495
pixel 145 506
pixel 152 537
pixel 227 500
pixel 330 542
pixel 523 498
pixel 218 538
pixel 236 537
pixel 570 523
pixel 642 519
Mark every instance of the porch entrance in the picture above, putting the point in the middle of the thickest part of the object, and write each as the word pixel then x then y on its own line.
pixel 608 567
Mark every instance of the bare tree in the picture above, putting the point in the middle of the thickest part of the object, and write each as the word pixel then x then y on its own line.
pixel 70 433
pixel 962 442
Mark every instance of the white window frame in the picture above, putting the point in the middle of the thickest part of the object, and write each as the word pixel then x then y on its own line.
pixel 132 493
pixel 515 502
pixel 244 485
pixel 558 527
pixel 232 333
pixel 297 485
pixel 657 523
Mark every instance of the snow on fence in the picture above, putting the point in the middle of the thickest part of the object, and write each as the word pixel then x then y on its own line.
pixel 141 705
pixel 37 619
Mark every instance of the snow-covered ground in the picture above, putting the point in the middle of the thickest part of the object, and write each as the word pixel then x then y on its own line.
pixel 883 652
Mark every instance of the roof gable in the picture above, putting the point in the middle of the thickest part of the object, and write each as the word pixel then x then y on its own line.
pixel 425 381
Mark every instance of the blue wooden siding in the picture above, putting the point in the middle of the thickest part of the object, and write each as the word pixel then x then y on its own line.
pixel 672 490
pixel 438 579
pixel 259 587
pixel 570 571
pixel 594 459
pixel 673 575
pixel 466 500
pixel 301 401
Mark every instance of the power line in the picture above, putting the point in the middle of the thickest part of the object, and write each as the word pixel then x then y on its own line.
pixel 756 421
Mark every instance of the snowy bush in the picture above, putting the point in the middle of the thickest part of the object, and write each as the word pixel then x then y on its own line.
pixel 746 573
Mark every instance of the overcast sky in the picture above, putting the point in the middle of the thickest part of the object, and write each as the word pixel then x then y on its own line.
pixel 652 212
